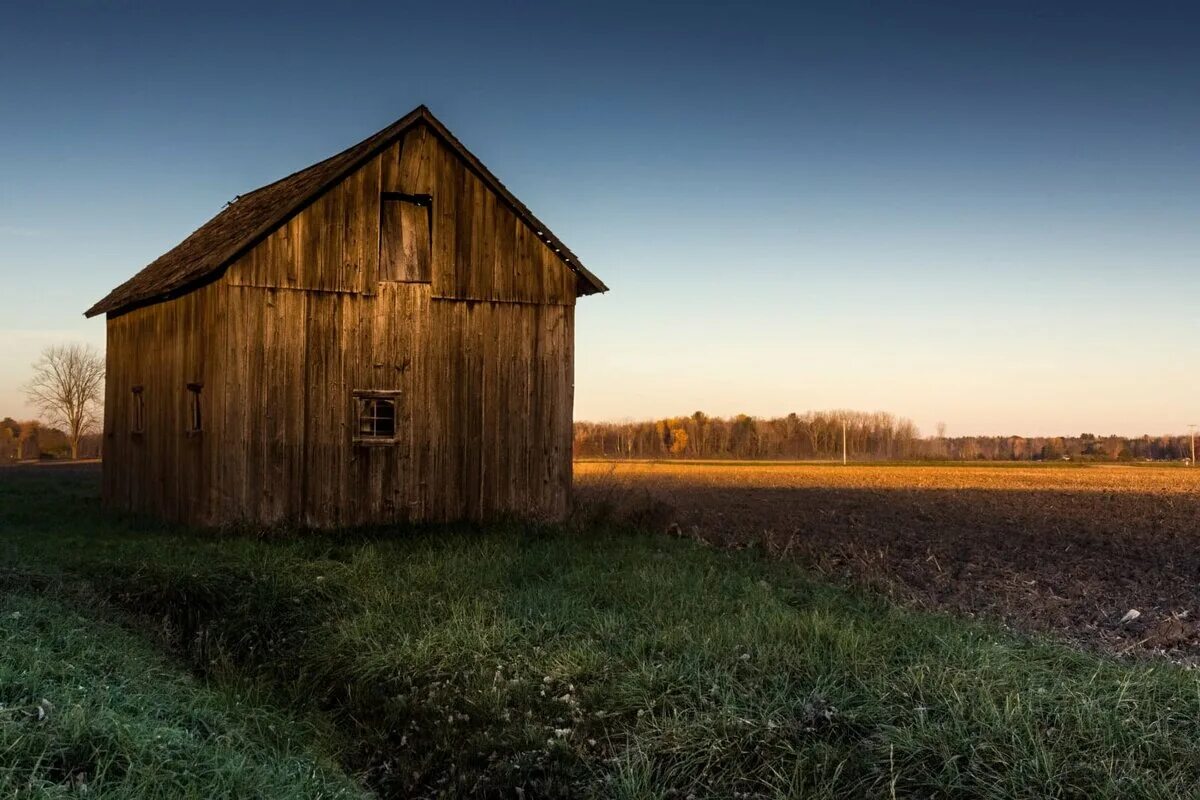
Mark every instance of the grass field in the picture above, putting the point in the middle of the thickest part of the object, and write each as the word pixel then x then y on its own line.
pixel 592 660
pixel 89 709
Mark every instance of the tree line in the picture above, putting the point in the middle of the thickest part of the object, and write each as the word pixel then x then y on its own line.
pixel 31 440
pixel 878 436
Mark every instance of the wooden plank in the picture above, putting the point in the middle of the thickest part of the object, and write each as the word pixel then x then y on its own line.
pixel 483 250
pixel 330 245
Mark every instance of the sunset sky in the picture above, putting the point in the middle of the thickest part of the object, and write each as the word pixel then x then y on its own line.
pixel 982 214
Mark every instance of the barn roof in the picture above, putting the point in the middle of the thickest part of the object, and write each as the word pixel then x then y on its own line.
pixel 204 254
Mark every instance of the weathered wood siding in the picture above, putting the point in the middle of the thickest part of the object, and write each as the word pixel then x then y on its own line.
pixel 482 356
pixel 482 250
pixel 163 471
pixel 332 245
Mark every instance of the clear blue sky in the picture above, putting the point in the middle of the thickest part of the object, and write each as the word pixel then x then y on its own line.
pixel 983 214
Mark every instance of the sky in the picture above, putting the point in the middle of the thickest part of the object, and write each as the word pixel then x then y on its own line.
pixel 982 214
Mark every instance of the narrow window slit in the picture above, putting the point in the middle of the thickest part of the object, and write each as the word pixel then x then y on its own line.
pixel 195 423
pixel 137 423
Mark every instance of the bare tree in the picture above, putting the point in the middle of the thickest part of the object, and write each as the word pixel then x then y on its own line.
pixel 68 388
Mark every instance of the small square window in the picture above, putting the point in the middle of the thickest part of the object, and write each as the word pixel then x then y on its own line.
pixel 137 422
pixel 375 416
pixel 195 423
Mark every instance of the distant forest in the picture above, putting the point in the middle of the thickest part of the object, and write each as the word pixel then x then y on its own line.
pixel 31 440
pixel 869 436
pixel 816 435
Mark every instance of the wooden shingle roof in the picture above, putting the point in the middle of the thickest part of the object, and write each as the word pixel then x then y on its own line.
pixel 204 255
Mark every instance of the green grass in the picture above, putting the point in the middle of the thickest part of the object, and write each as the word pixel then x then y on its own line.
pixel 465 662
pixel 87 708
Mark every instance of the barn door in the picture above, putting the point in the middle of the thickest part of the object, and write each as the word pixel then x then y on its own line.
pixel 405 238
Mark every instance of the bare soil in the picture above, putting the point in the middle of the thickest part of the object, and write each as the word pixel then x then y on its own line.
pixel 1067 550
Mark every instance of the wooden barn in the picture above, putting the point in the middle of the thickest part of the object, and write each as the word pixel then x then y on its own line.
pixel 385 335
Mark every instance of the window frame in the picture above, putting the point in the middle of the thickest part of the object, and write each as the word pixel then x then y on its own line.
pixel 360 400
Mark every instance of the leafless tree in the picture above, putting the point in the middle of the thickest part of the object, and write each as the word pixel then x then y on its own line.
pixel 68 388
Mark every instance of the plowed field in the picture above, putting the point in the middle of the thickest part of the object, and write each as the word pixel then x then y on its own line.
pixel 1064 549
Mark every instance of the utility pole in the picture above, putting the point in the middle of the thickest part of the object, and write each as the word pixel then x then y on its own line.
pixel 844 444
pixel 1192 430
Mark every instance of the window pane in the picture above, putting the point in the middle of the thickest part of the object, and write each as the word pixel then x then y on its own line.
pixel 377 418
pixel 385 418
